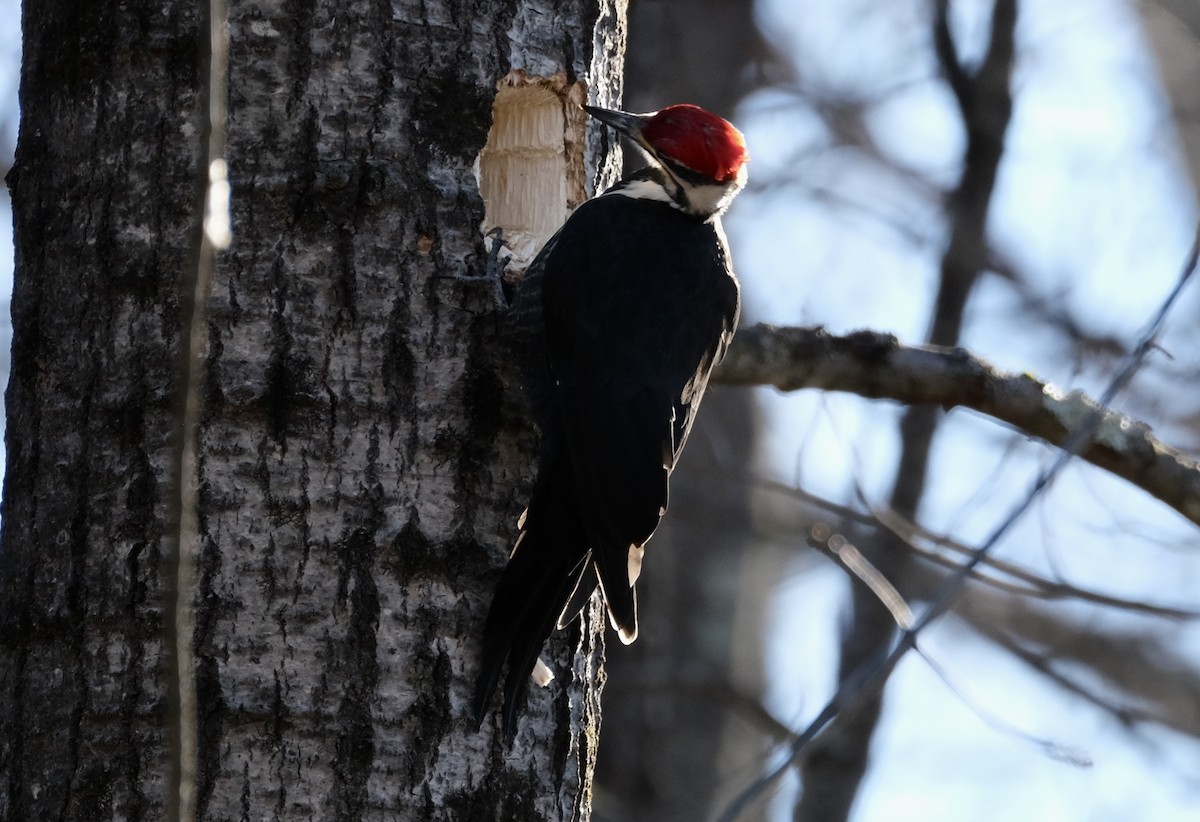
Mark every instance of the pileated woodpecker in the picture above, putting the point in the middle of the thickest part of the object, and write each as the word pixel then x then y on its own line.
pixel 621 317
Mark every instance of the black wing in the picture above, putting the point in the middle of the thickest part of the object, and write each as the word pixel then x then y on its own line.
pixel 618 322
pixel 638 305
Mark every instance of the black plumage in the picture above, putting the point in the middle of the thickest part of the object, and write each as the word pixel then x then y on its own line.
pixel 620 319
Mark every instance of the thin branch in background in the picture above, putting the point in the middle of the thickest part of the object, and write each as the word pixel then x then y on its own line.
pixel 817 501
pixel 1055 750
pixel 985 489
pixel 859 567
pixel 1105 519
pixel 1035 585
pixel 915 537
pixel 851 560
pixel 1053 310
pixel 701 686
pixel 1127 715
pixel 866 683
pixel 953 72
pixel 1137 666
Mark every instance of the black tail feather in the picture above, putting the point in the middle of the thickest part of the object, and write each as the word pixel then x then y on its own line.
pixel 536 585
pixel 523 655
pixel 584 588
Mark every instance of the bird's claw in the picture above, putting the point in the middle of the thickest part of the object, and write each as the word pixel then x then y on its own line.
pixel 493 271
pixel 495 266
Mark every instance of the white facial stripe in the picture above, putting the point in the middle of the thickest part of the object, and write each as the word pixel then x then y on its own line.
pixel 645 190
pixel 711 199
pixel 702 200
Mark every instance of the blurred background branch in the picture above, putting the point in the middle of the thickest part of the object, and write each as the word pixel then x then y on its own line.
pixel 1013 180
pixel 879 367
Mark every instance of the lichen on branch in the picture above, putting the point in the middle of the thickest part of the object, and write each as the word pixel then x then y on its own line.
pixel 878 366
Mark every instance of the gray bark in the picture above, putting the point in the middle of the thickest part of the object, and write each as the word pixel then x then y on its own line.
pixel 878 366
pixel 363 454
pixel 96 304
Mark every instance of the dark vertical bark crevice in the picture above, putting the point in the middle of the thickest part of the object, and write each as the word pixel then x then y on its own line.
pixel 77 629
pixel 482 393
pixel 399 375
pixel 129 754
pixel 355 747
pixel 212 709
pixel 342 545
pixel 81 596
pixel 280 726
pixel 283 377
pixel 427 720
pixel 299 15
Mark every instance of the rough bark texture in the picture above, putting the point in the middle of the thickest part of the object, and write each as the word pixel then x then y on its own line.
pixel 108 97
pixel 359 402
pixel 363 456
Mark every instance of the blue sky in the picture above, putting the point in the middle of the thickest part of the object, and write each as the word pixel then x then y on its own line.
pixel 1095 212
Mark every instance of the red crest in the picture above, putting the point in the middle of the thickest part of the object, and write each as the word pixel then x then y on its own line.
pixel 698 139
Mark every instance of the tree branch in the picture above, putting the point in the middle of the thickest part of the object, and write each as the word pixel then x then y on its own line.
pixel 878 366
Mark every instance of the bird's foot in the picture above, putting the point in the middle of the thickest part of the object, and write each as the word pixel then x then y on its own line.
pixel 494 266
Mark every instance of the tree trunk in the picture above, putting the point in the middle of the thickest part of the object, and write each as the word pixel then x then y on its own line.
pixel 362 453
pixel 104 193
pixel 1172 29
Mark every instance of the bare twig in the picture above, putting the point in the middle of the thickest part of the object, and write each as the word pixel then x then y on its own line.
pixel 1127 713
pixel 823 538
pixel 867 682
pixel 877 366
pixel 1053 749
pixel 1034 585
pixel 700 686
pixel 916 537
pixel 859 567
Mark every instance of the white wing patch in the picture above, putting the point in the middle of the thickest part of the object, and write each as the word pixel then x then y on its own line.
pixel 517 544
pixel 627 637
pixel 542 674
pixel 636 552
